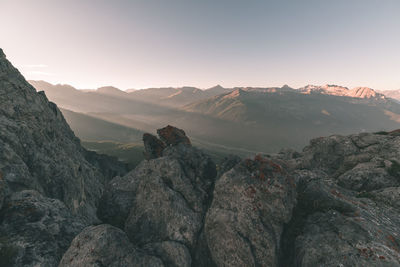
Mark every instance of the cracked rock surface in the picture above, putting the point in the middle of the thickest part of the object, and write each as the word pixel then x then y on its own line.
pixel 49 184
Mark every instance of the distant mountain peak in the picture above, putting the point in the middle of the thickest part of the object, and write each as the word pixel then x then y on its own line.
pixel 364 92
pixel 110 90
pixel 217 87
pixel 337 90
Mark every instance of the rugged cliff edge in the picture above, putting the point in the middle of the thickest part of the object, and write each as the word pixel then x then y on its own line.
pixel 336 203
pixel 49 185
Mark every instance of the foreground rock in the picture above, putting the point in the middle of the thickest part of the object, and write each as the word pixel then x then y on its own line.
pixel 39 151
pixel 334 204
pixel 161 205
pixel 49 184
pixel 251 204
pixel 105 245
pixel 347 212
pixel 35 230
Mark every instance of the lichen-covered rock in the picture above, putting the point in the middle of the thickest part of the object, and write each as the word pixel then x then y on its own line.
pixel 35 230
pixel 251 204
pixel 173 136
pixel 105 245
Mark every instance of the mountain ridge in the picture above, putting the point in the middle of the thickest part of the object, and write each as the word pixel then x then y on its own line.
pixel 240 120
pixel 169 92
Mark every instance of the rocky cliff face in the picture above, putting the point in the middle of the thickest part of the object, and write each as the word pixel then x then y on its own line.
pixel 336 203
pixel 49 185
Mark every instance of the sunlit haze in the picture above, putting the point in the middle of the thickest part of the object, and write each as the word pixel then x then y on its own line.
pixel 140 44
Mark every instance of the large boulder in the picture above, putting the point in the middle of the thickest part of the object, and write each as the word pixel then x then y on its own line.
pixel 35 230
pixel 251 204
pixel 105 245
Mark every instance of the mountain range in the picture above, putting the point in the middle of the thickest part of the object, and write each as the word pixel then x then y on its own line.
pixel 236 119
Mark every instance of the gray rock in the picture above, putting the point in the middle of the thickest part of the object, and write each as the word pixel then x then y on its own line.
pixel 105 245
pixel 228 163
pixel 367 176
pixel 39 151
pixel 172 253
pixel 163 199
pixel 367 237
pixel 251 204
pixel 328 153
pixel 346 213
pixel 389 196
pixel 116 201
pixel 3 190
pixel 35 230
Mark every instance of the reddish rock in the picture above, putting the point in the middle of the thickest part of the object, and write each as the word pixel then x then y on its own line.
pixel 173 136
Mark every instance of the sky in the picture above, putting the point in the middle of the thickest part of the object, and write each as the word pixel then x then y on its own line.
pixel 202 43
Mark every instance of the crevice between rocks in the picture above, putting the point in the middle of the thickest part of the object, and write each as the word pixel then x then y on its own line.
pixel 291 230
pixel 200 252
pixel 287 256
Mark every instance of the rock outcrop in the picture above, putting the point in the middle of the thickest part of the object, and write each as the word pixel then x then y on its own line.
pixel 161 204
pixel 173 136
pixel 346 213
pixel 49 184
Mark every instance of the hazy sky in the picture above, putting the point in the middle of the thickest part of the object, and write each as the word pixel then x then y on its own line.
pixel 149 43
